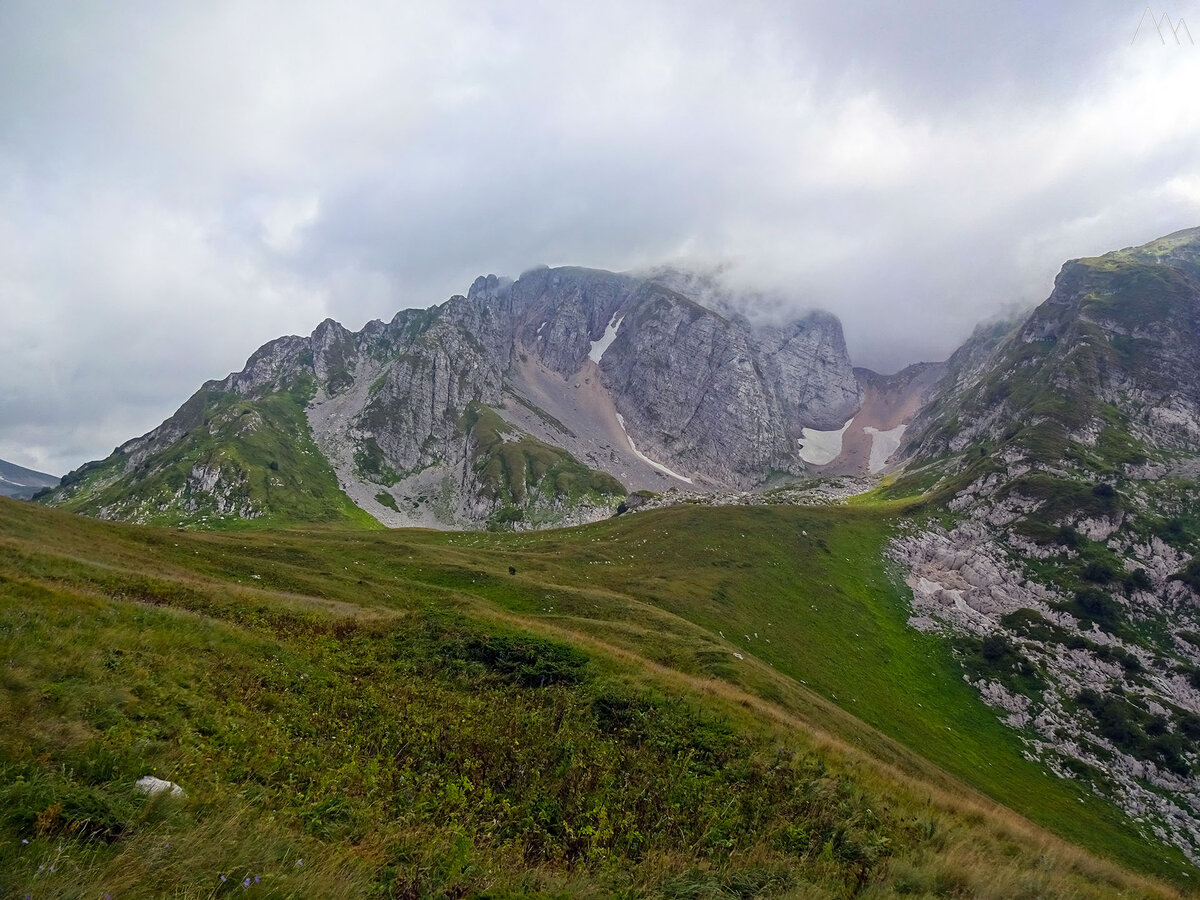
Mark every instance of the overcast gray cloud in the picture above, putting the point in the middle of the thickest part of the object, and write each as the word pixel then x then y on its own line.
pixel 180 183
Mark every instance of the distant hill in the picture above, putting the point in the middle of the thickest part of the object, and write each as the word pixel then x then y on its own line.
pixel 17 481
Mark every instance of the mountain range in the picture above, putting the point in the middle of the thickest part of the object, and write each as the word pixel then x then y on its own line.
pixel 1040 488
pixel 545 400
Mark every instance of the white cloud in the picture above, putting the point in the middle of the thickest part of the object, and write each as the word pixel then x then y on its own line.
pixel 116 311
pixel 1185 188
pixel 284 220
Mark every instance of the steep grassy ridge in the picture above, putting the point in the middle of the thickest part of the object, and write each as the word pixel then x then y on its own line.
pixel 238 462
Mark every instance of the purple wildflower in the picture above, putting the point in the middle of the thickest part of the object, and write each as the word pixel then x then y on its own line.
pixel 299 863
pixel 222 879
pixel 246 883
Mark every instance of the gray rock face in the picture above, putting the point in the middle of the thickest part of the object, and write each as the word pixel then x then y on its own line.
pixel 702 394
pixel 414 413
pixel 699 392
pixel 686 382
pixel 712 396
pixel 558 313
pixel 805 365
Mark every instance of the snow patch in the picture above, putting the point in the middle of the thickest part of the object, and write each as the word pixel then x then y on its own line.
pixel 883 445
pixel 821 447
pixel 643 457
pixel 610 335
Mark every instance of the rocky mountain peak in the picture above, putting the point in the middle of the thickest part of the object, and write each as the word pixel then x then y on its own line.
pixel 1113 349
pixel 459 413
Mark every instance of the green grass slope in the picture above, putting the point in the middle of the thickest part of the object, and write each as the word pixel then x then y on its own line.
pixel 530 480
pixel 805 592
pixel 359 713
pixel 262 464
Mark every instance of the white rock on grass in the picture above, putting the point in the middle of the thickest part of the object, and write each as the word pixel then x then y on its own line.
pixel 148 784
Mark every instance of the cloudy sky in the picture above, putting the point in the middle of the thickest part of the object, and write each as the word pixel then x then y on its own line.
pixel 181 182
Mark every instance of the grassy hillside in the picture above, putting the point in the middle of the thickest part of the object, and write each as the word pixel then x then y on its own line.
pixel 804 592
pixel 416 714
pixel 241 461
pixel 529 478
